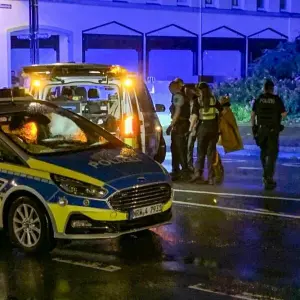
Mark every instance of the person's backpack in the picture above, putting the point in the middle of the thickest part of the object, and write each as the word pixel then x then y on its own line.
pixel 218 169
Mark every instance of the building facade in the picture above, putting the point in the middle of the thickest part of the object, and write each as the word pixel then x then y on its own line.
pixel 161 38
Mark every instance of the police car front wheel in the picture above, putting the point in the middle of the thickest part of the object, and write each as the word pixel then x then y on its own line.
pixel 28 226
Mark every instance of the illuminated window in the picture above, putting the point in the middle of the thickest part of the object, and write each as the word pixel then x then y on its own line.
pixel 282 4
pixel 260 4
pixel 235 3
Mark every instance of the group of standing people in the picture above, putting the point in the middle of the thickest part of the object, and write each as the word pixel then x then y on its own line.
pixel 198 116
pixel 195 114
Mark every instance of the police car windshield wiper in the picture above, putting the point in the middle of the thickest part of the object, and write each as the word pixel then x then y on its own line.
pixel 63 142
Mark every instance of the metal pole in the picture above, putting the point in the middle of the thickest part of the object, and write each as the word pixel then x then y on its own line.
pixel 201 32
pixel 34 31
pixel 247 56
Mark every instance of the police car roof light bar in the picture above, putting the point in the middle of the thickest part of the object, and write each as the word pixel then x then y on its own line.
pixel 71 70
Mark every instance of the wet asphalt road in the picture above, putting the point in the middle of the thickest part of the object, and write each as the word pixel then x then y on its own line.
pixel 232 240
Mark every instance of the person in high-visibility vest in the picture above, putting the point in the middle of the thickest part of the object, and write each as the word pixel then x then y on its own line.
pixel 206 111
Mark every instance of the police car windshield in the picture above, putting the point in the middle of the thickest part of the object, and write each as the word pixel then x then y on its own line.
pixel 40 128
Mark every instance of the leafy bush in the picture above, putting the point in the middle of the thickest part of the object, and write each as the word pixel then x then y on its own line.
pixel 283 62
pixel 281 65
pixel 242 113
pixel 244 91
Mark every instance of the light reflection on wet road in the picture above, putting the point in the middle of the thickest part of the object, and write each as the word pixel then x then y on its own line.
pixel 226 240
pixel 226 252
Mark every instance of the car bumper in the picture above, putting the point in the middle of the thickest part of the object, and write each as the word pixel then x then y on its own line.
pixel 112 229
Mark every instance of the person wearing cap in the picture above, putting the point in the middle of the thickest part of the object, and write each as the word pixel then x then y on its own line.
pixel 267 112
pixel 180 82
pixel 206 111
pixel 180 113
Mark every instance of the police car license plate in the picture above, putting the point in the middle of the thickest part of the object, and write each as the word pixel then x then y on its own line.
pixel 146 211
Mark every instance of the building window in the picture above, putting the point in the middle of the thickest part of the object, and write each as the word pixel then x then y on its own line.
pixel 235 3
pixel 208 2
pixel 153 2
pixel 260 4
pixel 183 2
pixel 282 4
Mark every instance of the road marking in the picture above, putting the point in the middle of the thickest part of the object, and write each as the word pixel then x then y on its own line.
pixel 293 165
pixel 258 212
pixel 169 155
pixel 236 195
pixel 232 160
pixel 76 254
pixel 250 168
pixel 244 296
pixel 200 288
pixel 91 265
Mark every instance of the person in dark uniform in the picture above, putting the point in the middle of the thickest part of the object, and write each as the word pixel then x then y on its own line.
pixel 192 94
pixel 179 128
pixel 206 111
pixel 267 112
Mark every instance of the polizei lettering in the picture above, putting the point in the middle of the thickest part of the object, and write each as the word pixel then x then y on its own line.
pixel 267 101
pixel 108 158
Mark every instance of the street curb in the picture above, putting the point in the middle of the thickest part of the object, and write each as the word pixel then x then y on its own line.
pixel 254 148
pixel 247 153
pixel 286 149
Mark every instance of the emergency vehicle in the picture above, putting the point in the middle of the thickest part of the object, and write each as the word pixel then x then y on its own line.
pixel 108 95
pixel 64 177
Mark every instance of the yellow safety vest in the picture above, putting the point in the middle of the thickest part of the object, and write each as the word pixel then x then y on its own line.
pixel 210 114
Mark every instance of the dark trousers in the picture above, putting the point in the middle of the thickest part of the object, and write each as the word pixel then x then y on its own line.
pixel 179 148
pixel 207 146
pixel 268 141
pixel 190 150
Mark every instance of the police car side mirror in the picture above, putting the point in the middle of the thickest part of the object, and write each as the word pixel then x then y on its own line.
pixel 160 108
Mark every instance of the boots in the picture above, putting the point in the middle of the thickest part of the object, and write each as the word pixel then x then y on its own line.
pixel 269 183
pixel 197 177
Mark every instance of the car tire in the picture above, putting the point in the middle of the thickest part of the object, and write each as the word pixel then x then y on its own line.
pixel 161 152
pixel 29 227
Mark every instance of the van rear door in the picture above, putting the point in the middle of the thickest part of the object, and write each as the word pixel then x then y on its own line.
pixel 150 129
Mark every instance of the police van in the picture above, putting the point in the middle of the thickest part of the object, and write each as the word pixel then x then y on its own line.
pixel 107 95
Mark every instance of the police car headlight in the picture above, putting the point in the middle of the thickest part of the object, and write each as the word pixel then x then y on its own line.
pixel 79 188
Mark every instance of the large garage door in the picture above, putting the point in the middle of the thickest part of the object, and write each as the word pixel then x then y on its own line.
pixel 224 53
pixel 172 51
pixel 113 43
pixel 20 50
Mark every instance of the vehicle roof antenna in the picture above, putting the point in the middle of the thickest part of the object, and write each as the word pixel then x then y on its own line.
pixel 52 72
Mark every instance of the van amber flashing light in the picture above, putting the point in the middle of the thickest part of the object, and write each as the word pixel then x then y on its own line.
pixel 128 82
pixel 128 126
pixel 117 70
pixel 36 83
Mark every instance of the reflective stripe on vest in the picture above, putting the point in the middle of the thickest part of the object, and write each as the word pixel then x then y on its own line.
pixel 210 114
